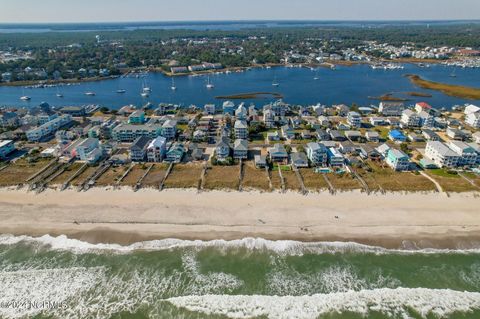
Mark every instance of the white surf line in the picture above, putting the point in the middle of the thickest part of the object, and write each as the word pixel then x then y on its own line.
pixel 282 247
pixel 391 302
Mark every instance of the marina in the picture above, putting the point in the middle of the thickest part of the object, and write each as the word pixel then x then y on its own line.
pixel 344 84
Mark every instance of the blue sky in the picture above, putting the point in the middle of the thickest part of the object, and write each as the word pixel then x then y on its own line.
pixel 171 10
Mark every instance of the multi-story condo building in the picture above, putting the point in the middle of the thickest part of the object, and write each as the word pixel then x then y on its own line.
pixel 129 132
pixel 49 128
pixel 441 154
pixel 391 108
pixel 317 153
pixel 468 155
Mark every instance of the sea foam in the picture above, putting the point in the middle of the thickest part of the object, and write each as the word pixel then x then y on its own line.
pixel 280 247
pixel 21 289
pixel 390 302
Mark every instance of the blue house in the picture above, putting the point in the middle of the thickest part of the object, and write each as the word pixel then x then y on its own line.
pixel 397 136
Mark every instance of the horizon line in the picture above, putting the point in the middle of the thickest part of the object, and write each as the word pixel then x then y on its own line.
pixel 241 21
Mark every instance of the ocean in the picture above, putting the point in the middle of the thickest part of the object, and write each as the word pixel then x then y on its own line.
pixel 57 277
pixel 345 84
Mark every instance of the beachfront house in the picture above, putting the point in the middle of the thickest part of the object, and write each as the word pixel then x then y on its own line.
pixel 222 149
pixel 240 149
pixel 299 159
pixel 369 152
pixel 441 154
pixel 260 161
pixel 89 150
pixel 175 153
pixel 138 149
pixel 6 148
pixel 335 158
pixel 317 153
pixel 383 149
pixel 397 160
pixel 278 154
pixel 156 149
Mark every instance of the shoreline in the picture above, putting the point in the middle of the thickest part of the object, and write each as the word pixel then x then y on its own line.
pixel 394 221
pixel 326 64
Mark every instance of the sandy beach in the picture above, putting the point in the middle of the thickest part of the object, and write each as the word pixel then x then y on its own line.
pixel 123 216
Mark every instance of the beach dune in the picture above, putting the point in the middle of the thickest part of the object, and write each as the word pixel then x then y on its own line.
pixel 122 216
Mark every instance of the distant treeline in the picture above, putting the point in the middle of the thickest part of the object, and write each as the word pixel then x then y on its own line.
pixel 462 35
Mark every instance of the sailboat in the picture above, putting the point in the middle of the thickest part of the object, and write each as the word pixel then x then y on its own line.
pixel 209 85
pixel 173 87
pixel 145 90
pixel 453 74
pixel 316 75
pixel 60 95
pixel 25 97
pixel 275 82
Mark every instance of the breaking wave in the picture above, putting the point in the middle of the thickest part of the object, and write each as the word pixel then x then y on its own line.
pixel 390 302
pixel 280 247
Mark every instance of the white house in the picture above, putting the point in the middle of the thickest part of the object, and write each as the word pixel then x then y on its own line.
pixel 156 149
pixel 441 154
pixel 317 153
pixel 410 118
pixel 354 119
